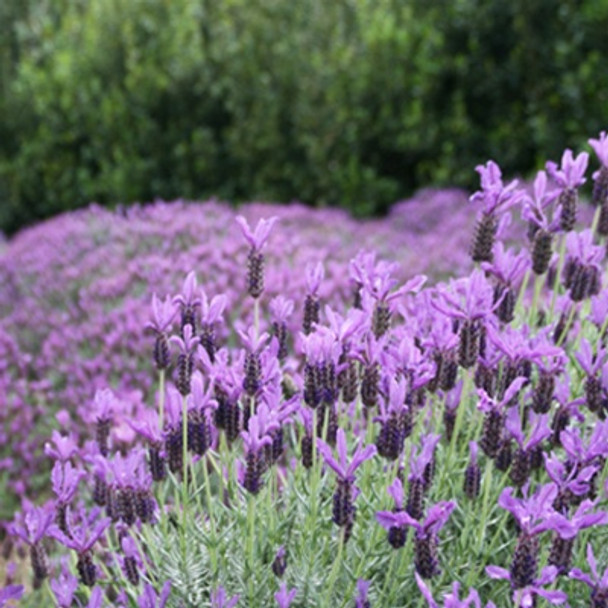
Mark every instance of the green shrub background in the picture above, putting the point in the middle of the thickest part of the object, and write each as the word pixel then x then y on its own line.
pixel 350 102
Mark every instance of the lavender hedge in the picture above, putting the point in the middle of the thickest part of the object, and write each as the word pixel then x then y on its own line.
pixel 332 418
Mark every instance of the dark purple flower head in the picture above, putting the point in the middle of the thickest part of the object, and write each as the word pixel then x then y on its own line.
pixel 535 513
pixel 419 461
pixel 284 597
pixel 494 195
pixel 450 600
pixel 83 537
pixel 219 599
pixel 258 237
pixel 596 582
pixel 65 479
pixel 342 467
pixel 12 592
pixel 361 600
pixel 524 598
pixel 163 313
pixel 572 170
pixel 33 523
pixel 150 599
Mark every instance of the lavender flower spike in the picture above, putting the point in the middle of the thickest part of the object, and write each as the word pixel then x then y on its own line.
pixel 284 597
pixel 256 238
pixel 450 600
pixel 219 599
pixel 12 592
pixel 344 469
pixel 598 584
pixel 524 597
pixel 150 599
pixel 361 600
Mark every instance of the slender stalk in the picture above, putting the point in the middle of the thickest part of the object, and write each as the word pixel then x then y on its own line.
pixel 161 399
pixel 568 325
pixel 210 512
pixel 333 575
pixel 558 274
pixel 184 463
pixel 251 545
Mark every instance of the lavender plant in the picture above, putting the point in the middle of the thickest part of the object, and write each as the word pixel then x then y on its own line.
pixel 273 434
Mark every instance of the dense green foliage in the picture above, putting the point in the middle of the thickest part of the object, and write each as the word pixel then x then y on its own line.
pixel 350 103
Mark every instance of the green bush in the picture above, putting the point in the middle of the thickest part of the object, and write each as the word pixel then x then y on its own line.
pixel 351 102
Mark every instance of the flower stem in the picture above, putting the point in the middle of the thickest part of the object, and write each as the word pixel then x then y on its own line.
pixel 161 399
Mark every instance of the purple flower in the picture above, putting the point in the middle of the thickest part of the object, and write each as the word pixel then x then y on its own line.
pixel 450 600
pixel 600 147
pixel 540 428
pixel 281 308
pixel 573 479
pixel 361 600
pixel 419 461
pixel 494 195
pixel 437 517
pixel 64 589
pixel 524 597
pixel 34 524
pixel 187 299
pixel 569 527
pixel 258 237
pixel 534 209
pixel 257 435
pixel 284 597
pixel 212 311
pixel 65 479
pixel 163 313
pixel 487 404
pixel 571 173
pixel 507 266
pixel 219 599
pixel 597 583
pixel 12 592
pixel 150 599
pixel 62 448
pixel 82 538
pixel 468 299
pixel 314 275
pixel 344 469
pixel 188 343
pixel 535 513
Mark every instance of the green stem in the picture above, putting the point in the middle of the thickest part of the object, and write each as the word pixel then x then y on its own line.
pixel 161 399
pixel 335 569
pixel 184 468
pixel 558 274
pixel 212 552
pixel 251 545
pixel 522 290
pixel 538 283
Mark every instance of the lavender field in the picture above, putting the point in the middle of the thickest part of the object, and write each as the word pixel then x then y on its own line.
pixel 282 406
